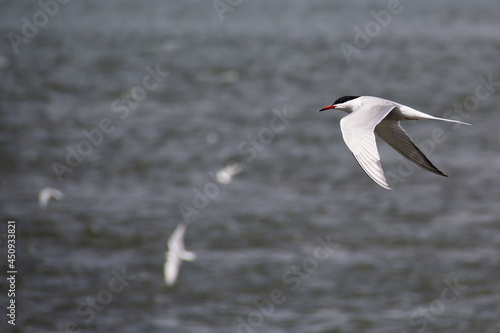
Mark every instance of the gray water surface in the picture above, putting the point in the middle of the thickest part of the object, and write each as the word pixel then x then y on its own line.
pixel 130 108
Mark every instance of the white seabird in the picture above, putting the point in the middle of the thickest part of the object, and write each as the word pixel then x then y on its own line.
pixel 368 116
pixel 48 193
pixel 175 254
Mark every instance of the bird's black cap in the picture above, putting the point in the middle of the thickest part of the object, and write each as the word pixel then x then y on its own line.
pixel 344 99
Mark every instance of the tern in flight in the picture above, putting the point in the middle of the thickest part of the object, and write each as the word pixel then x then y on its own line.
pixel 175 254
pixel 48 193
pixel 368 116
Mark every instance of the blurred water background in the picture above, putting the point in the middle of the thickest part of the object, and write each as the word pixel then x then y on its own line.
pixel 131 108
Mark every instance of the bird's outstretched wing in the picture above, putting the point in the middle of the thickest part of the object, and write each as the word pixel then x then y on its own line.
pixel 171 268
pixel 392 133
pixel 358 133
pixel 176 241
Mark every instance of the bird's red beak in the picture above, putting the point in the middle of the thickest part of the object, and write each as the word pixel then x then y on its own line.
pixel 327 108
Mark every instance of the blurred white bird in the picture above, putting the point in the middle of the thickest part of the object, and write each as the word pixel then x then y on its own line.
pixel 225 174
pixel 369 115
pixel 48 193
pixel 175 254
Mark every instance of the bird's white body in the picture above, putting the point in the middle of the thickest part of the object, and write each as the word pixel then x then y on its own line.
pixel 175 254
pixel 399 111
pixel 368 116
